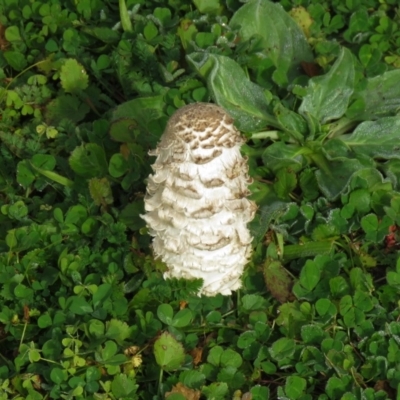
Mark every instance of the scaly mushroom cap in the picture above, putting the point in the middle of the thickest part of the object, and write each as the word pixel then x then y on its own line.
pixel 196 205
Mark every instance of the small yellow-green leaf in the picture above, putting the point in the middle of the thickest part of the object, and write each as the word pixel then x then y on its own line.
pixel 168 352
pixel 73 76
pixel 100 190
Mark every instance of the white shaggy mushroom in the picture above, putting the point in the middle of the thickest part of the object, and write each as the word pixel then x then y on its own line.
pixel 196 205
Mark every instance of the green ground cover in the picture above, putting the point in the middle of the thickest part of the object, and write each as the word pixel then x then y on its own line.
pixel 86 88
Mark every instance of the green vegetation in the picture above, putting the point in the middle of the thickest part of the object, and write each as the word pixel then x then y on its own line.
pixel 86 88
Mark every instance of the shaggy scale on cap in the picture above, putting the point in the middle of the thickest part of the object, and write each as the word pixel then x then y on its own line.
pixel 196 205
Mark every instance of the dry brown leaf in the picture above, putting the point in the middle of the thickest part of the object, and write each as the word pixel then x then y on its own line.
pixel 124 150
pixel 190 394
pixel 183 304
pixel 197 354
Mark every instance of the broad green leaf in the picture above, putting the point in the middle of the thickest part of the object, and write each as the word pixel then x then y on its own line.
pixel 214 356
pixel 109 350
pixel 310 275
pixel 335 177
pixel 394 210
pixel 208 6
pixel 231 358
pixel 262 193
pixel 216 391
pixel 295 387
pixel 130 215
pixel 65 107
pixel 11 240
pixel 187 32
pixel 360 199
pixel 268 367
pixel 165 313
pixel 307 211
pixel 168 352
pixel 214 317
pixel 102 293
pixel 352 315
pixel 259 392
pixel 380 98
pixel 182 318
pixel 375 230
pixel 192 378
pixel 246 339
pixel 392 171
pixel 324 231
pixel 347 310
pixel 336 387
pixel 338 286
pixel 25 175
pixel 15 59
pixel 286 182
pixel 76 215
pixel 18 210
pixel 325 307
pixel 12 99
pixel 79 306
pixel 205 39
pixel 308 184
pixel 23 292
pixel 89 161
pixel 90 226
pixel 44 321
pixel 335 148
pixel 363 301
pixel 12 34
pixel 393 277
pixel 58 375
pixel 103 33
pixel 103 61
pixel 370 178
pixel 118 165
pixel 44 161
pixel 253 302
pixel 73 76
pixel 93 374
pixel 279 155
pixel 124 387
pixel 328 95
pixel 376 139
pixel 282 39
pixel 230 88
pixel 164 15
pixel 260 225
pixel 141 113
pixel 123 130
pixel 96 328
pixel 291 122
pixel 234 378
pixel 282 348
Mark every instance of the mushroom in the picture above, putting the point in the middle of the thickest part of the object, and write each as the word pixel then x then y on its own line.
pixel 196 203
